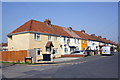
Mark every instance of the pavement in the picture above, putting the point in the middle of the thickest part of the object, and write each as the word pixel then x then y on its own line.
pixel 56 61
pixel 88 67
pixel 64 59
pixel 59 60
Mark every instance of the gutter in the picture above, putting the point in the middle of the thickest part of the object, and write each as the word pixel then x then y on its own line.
pixel 38 32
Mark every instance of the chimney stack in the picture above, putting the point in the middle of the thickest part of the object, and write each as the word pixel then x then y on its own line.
pixel 69 28
pixel 92 34
pixel 99 36
pixel 83 31
pixel 47 21
pixel 104 38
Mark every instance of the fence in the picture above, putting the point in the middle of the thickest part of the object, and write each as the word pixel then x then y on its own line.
pixel 13 56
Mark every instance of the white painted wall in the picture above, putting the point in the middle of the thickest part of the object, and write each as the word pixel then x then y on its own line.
pixel 66 45
pixel 93 45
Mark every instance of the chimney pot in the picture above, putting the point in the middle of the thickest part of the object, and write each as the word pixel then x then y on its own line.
pixel 47 21
pixel 92 34
pixel 69 28
pixel 83 31
pixel 99 36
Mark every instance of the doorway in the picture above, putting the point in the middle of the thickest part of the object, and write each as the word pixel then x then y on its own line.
pixel 46 57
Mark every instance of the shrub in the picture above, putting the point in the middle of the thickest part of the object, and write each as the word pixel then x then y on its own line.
pixel 118 48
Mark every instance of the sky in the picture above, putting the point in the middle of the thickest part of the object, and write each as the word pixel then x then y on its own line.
pixel 100 18
pixel 60 0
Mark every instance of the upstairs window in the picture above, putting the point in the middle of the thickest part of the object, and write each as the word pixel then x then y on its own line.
pixel 78 41
pixel 49 38
pixel 37 36
pixel 56 38
pixel 64 39
pixel 93 43
pixel 68 40
pixel 75 41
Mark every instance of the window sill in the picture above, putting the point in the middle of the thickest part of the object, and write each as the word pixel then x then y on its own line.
pixel 38 55
pixel 37 40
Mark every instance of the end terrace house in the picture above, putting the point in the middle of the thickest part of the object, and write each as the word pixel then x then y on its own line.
pixel 43 38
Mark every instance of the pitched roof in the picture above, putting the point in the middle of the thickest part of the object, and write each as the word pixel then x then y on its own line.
pixel 80 34
pixel 71 32
pixel 47 27
pixel 107 41
pixel 110 42
pixel 113 43
pixel 49 43
pixel 96 37
pixel 84 35
pixel 90 37
pixel 104 39
pixel 118 45
pixel 42 27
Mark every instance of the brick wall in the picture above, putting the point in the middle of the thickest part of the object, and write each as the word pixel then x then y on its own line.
pixel 72 55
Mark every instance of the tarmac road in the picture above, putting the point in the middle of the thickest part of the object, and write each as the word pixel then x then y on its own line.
pixel 89 67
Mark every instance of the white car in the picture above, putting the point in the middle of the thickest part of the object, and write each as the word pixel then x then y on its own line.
pixel 82 52
pixel 107 50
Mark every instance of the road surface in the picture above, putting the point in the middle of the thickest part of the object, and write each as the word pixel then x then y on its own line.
pixel 89 67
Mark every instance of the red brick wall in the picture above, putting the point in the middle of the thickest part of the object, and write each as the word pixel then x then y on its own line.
pixel 72 55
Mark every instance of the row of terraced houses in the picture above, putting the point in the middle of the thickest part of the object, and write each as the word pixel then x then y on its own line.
pixel 42 38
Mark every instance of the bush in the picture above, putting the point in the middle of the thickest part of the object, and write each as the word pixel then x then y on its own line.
pixel 100 51
pixel 118 48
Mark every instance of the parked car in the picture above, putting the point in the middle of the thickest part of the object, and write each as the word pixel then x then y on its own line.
pixel 90 52
pixel 82 52
pixel 107 50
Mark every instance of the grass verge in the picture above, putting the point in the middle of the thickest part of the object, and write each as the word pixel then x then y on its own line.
pixel 16 63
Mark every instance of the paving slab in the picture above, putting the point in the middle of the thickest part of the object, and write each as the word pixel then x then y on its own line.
pixel 65 59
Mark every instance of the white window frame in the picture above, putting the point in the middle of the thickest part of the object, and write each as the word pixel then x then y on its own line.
pixel 36 35
pixel 78 41
pixel 49 38
pixel 38 49
pixel 75 40
pixel 56 39
pixel 64 39
pixel 56 50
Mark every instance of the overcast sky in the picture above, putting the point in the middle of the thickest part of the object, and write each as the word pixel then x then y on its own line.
pixel 100 18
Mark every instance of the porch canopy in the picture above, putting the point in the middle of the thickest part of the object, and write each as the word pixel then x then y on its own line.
pixel 49 44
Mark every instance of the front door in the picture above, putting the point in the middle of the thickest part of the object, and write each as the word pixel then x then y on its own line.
pixel 46 57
